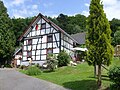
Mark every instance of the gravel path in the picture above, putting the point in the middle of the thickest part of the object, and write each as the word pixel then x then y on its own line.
pixel 10 79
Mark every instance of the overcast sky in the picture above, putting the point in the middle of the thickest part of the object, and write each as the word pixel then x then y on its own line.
pixel 29 8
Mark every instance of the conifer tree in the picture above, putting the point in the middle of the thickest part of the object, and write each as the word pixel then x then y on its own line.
pixel 7 37
pixel 100 51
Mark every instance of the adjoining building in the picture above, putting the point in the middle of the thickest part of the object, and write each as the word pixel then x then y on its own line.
pixel 17 57
pixel 81 48
pixel 117 51
pixel 79 37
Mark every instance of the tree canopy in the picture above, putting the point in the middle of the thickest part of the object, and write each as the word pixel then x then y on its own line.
pixel 98 40
pixel 7 37
pixel 115 27
pixel 20 24
pixel 116 39
pixel 71 24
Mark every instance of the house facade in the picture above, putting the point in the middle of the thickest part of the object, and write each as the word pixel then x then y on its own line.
pixel 43 37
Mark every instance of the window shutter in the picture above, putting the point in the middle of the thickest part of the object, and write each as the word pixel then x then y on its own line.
pixel 36 28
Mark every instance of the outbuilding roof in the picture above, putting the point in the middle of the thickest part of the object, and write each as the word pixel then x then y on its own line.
pixel 17 51
pixel 79 37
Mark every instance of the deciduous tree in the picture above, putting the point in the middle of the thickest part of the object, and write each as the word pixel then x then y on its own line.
pixel 115 27
pixel 7 38
pixel 116 39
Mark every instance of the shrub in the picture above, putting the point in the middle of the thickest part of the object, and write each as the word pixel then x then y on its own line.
pixel 33 70
pixel 114 75
pixel 63 59
pixel 23 67
pixel 37 65
pixel 8 66
pixel 51 62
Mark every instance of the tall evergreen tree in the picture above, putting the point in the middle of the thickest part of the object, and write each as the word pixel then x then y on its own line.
pixel 100 51
pixel 7 38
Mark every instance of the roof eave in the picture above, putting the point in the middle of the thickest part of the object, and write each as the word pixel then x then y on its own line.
pixel 29 27
pixel 48 21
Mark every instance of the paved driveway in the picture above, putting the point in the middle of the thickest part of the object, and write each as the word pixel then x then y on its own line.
pixel 11 79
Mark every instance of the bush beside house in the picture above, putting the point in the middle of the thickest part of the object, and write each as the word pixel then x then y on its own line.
pixel 52 63
pixel 63 59
pixel 33 70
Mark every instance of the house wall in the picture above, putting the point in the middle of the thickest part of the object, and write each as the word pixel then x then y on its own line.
pixel 40 45
pixel 42 39
pixel 66 43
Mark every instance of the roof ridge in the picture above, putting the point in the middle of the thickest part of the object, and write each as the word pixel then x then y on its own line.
pixel 48 21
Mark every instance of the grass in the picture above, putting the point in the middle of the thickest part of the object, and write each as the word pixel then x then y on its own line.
pixel 79 77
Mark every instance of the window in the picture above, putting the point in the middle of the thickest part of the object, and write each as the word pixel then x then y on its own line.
pixel 65 38
pixel 49 51
pixel 30 42
pixel 32 27
pixel 37 27
pixel 43 25
pixel 74 44
pixel 29 53
pixel 49 38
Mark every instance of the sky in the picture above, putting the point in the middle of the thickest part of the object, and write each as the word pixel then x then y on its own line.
pixel 29 8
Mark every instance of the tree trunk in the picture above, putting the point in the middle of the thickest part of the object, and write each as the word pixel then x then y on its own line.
pixel 99 77
pixel 95 71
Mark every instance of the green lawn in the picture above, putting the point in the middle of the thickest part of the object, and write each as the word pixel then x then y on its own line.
pixel 76 78
pixel 79 77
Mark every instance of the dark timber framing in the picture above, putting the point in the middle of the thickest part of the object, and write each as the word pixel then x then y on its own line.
pixel 38 32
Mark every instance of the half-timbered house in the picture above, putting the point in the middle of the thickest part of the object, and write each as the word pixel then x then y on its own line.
pixel 43 37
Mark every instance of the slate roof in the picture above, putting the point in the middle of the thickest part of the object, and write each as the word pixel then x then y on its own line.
pixel 79 37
